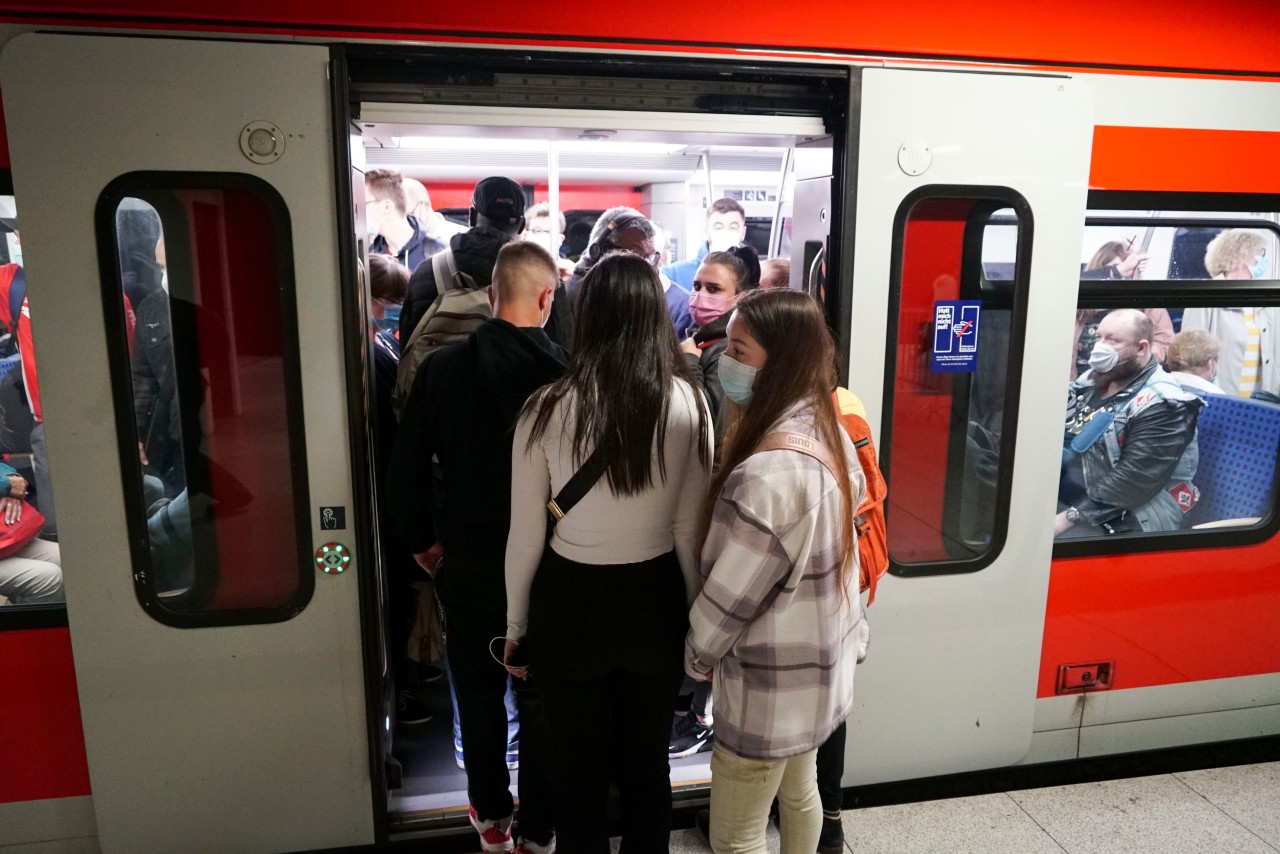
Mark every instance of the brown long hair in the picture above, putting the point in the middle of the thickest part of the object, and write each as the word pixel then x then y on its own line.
pixel 624 363
pixel 790 327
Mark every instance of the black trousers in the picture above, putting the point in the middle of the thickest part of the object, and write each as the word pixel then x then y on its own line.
pixel 606 646
pixel 614 727
pixel 830 770
pixel 481 683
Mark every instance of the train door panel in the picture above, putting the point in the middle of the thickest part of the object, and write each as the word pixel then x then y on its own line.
pixel 951 359
pixel 200 478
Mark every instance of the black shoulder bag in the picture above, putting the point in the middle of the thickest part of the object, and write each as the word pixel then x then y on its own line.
pixel 578 486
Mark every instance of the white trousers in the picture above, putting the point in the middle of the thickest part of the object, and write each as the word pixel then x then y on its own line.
pixel 32 576
pixel 743 789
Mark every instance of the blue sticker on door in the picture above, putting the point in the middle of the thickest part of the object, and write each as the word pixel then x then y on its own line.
pixel 955 335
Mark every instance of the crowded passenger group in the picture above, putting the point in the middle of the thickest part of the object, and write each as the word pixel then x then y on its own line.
pixel 629 483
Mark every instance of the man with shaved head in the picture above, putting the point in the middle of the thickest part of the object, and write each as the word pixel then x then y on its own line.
pixel 1129 449
pixel 463 411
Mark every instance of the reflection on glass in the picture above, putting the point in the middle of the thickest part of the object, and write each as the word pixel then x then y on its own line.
pixel 214 404
pixel 947 425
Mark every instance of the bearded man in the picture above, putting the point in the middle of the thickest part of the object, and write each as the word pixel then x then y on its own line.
pixel 1129 448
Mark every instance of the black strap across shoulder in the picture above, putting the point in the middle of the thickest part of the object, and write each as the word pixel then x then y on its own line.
pixel 578 486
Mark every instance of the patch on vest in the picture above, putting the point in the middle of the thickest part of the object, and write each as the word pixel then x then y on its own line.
pixel 1185 494
pixel 1144 397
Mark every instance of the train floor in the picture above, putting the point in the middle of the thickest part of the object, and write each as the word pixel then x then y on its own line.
pixel 433 782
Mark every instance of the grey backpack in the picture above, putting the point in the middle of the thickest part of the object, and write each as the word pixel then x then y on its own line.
pixel 459 307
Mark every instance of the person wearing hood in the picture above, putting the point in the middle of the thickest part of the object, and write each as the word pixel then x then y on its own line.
pixel 392 229
pixel 620 228
pixel 144 277
pixel 726 227
pixel 496 217
pixel 720 280
pixel 463 411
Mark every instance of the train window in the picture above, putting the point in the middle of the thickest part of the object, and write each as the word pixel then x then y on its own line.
pixel 208 396
pixel 1136 247
pixel 1172 425
pixel 955 344
pixel 30 569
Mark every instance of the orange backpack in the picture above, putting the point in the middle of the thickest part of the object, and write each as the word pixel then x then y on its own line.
pixel 873 539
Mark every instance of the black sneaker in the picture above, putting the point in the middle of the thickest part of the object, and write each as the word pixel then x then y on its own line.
pixel 702 821
pixel 429 673
pixel 831 840
pixel 410 711
pixel 688 737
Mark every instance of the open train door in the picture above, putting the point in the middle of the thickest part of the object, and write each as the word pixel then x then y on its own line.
pixel 179 199
pixel 969 210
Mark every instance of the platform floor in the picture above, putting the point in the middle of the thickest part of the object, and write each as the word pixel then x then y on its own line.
pixel 1233 810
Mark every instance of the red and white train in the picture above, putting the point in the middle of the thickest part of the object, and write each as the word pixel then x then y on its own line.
pixel 928 153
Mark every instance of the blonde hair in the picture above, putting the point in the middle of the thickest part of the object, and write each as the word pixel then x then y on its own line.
pixel 1233 248
pixel 523 270
pixel 1192 349
pixel 541 209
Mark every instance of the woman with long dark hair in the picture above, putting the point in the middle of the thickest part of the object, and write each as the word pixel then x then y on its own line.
pixel 778 625
pixel 604 601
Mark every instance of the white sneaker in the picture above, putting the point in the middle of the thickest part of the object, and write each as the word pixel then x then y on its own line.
pixel 525 846
pixel 495 836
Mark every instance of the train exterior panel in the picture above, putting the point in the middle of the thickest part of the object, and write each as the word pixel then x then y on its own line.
pixel 966 672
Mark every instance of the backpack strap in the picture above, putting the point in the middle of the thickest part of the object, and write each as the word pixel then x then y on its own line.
pixel 785 441
pixel 445 267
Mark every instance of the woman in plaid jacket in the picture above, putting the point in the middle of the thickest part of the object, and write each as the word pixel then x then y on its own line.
pixel 778 626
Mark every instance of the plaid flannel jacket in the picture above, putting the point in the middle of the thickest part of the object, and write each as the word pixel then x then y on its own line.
pixel 782 638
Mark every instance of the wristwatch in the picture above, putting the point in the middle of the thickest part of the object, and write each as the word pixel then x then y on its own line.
pixel 1073 515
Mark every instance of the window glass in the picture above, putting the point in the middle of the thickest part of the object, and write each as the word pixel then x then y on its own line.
pixel 955 368
pixel 209 387
pixel 1138 245
pixel 1172 422
pixel 31 566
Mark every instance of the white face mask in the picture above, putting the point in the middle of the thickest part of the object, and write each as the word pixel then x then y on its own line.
pixel 723 241
pixel 164 280
pixel 542 238
pixel 1104 358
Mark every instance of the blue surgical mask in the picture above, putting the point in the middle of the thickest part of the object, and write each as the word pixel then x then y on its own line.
pixel 390 320
pixel 1258 268
pixel 737 379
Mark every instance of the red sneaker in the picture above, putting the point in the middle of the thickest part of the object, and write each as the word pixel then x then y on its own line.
pixel 495 836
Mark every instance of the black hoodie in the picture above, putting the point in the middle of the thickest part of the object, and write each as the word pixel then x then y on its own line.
pixel 712 343
pixel 463 410
pixel 474 253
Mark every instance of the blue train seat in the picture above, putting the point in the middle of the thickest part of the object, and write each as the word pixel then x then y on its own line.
pixel 1238 440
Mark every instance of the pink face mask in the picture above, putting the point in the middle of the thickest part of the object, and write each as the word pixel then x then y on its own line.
pixel 705 308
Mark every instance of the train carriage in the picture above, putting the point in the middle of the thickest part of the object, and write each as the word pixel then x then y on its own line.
pixel 902 162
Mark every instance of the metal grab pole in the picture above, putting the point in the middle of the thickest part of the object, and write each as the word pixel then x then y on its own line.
pixel 775 227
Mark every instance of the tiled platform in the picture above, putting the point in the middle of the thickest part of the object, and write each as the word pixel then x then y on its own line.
pixel 1216 811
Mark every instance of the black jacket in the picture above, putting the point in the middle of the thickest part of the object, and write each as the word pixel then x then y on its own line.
pixel 712 341
pixel 463 410
pixel 474 253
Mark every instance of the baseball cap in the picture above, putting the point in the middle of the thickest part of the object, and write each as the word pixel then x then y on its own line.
pixel 499 199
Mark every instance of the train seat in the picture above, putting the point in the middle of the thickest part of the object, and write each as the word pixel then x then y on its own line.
pixel 1238 441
